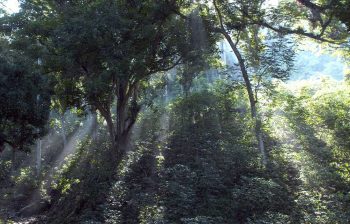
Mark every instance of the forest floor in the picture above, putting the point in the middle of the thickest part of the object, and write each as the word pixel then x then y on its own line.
pixel 8 213
pixel 287 138
pixel 8 216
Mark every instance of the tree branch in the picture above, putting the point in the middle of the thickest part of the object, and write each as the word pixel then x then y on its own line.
pixel 311 5
pixel 219 15
pixel 301 32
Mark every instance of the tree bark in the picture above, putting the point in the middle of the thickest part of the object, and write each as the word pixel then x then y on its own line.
pixel 123 96
pixel 126 113
pixel 111 130
pixel 121 118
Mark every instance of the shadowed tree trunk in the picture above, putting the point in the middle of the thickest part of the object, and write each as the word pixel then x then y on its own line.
pixel 120 125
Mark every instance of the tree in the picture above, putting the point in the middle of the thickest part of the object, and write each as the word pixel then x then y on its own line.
pixel 104 52
pixel 251 22
pixel 258 59
pixel 25 99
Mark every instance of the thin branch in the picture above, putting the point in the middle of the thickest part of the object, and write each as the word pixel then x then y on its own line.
pixel 219 15
pixel 177 62
pixel 284 30
pixel 85 69
pixel 310 5
pixel 238 36
pixel 325 25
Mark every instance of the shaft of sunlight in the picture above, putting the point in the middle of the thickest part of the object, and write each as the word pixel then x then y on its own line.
pixel 71 145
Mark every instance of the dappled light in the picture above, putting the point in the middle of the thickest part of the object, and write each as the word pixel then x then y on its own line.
pixel 189 112
pixel 83 131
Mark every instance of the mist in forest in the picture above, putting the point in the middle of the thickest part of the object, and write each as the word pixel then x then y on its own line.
pixel 193 112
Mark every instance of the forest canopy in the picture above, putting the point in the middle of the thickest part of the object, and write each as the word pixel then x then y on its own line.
pixel 174 111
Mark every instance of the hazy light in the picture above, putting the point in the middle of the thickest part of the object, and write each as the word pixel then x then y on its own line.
pixel 11 6
pixel 72 143
pixel 273 2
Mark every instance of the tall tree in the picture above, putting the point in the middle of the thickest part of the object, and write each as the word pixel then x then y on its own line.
pixel 24 97
pixel 260 56
pixel 104 52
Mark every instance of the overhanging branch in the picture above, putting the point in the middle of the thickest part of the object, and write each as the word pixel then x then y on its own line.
pixel 301 32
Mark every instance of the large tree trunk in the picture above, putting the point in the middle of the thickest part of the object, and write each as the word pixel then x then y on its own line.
pixel 121 119
pixel 111 130
pixel 122 115
pixel 126 114
pixel 248 85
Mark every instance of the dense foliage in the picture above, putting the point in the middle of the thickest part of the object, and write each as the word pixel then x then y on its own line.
pixel 25 100
pixel 116 111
